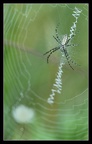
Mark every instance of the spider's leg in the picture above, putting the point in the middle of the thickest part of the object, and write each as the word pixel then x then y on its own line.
pixel 51 53
pixel 72 36
pixel 50 50
pixel 67 57
pixel 72 45
pixel 57 39
pixel 70 39
pixel 57 33
pixel 72 61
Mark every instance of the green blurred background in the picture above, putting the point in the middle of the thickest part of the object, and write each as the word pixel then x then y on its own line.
pixel 28 79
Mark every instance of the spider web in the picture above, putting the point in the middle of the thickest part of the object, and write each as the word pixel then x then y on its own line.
pixel 28 79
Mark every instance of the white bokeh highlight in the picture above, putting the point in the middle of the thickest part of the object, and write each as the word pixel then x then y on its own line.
pixel 23 114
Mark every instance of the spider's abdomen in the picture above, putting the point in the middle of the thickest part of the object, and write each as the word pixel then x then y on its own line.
pixel 64 40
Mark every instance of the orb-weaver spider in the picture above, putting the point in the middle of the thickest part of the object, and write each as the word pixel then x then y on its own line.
pixel 62 46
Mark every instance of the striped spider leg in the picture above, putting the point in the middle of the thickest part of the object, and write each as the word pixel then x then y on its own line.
pixel 50 52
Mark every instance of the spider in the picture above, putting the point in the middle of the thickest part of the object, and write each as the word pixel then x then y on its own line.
pixel 62 46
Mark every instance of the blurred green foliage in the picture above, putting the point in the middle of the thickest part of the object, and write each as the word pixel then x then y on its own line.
pixel 28 33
